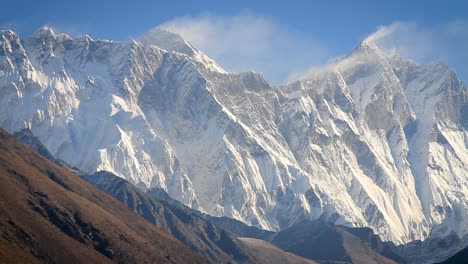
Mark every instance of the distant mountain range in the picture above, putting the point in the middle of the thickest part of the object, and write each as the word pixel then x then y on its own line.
pixel 369 140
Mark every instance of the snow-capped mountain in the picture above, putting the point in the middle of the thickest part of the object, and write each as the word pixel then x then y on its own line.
pixel 369 140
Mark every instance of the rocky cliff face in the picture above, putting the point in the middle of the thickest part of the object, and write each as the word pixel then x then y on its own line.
pixel 369 140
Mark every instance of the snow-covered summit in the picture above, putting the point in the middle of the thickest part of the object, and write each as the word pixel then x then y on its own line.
pixel 168 41
pixel 370 140
pixel 366 47
pixel 175 42
pixel 46 34
pixel 43 32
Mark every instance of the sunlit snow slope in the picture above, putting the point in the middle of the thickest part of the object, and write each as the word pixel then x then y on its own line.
pixel 370 140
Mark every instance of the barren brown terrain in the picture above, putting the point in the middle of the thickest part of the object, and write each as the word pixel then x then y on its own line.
pixel 49 215
pixel 269 253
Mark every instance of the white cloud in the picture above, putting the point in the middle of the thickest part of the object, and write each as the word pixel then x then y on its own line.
pixel 445 42
pixel 408 40
pixel 250 42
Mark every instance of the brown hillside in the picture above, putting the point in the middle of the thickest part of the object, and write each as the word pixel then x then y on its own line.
pixel 271 254
pixel 49 215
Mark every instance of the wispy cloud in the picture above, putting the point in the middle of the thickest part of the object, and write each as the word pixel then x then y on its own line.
pixel 250 42
pixel 445 42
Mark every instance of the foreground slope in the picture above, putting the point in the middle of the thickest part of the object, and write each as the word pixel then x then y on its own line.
pixel 269 253
pixel 369 140
pixel 187 225
pixel 184 224
pixel 48 215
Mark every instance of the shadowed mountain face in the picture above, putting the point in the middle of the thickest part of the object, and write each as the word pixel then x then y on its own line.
pixel 241 229
pixel 434 249
pixel 234 226
pixel 328 243
pixel 184 224
pixel 48 215
pixel 460 258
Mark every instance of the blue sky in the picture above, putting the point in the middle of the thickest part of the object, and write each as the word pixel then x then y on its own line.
pixel 277 38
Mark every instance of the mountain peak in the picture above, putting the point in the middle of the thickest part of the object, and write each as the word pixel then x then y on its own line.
pixel 9 35
pixel 174 42
pixel 367 47
pixel 44 31
pixel 168 41
pixel 7 32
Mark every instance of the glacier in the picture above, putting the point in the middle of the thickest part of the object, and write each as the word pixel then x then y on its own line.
pixel 371 139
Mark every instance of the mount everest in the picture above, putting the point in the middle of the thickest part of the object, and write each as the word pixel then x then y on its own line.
pixel 369 140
